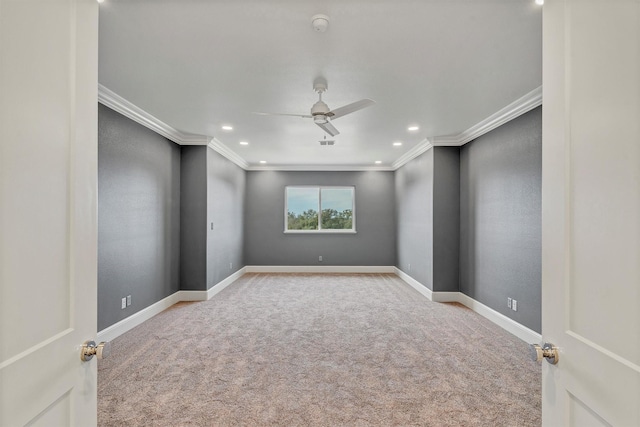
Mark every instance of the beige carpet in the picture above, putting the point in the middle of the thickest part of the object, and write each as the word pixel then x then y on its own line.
pixel 318 350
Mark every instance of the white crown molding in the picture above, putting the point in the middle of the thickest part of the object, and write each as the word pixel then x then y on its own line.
pixel 522 105
pixel 422 147
pixel 321 168
pixel 517 108
pixel 224 151
pixel 114 101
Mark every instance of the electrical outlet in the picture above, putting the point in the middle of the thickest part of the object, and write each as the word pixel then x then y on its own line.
pixel 230 266
pixel 320 258
pixel 409 267
pixel 123 304
pixel 128 300
pixel 212 226
pixel 514 305
pixel 509 302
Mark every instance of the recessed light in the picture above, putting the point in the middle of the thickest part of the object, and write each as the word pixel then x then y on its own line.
pixel 263 161
pixel 540 2
pixel 100 1
pixel 413 128
pixel 397 143
pixel 378 162
pixel 227 127
pixel 244 143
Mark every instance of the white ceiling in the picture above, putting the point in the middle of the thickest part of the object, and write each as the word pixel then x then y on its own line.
pixel 198 64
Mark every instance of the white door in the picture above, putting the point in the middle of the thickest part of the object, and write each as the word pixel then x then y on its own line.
pixel 48 172
pixel 591 212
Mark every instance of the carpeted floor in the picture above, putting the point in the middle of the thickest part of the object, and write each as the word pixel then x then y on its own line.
pixel 318 350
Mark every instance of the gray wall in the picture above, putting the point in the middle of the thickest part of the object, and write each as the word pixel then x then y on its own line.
pixel 225 209
pixel 446 219
pixel 193 218
pixel 155 199
pixel 265 242
pixel 500 204
pixel 138 216
pixel 414 211
pixel 428 212
pixel 212 194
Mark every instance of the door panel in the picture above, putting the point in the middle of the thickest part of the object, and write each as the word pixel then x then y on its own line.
pixel 58 414
pixel 604 172
pixel 591 211
pixel 26 98
pixel 582 416
pixel 48 172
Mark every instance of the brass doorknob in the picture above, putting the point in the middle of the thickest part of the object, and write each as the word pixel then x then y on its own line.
pixel 547 351
pixel 90 349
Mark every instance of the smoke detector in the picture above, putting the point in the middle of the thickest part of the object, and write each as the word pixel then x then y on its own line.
pixel 320 23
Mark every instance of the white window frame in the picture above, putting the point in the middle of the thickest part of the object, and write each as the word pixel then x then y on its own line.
pixel 320 230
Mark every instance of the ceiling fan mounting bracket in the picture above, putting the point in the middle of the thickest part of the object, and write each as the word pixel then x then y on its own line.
pixel 320 85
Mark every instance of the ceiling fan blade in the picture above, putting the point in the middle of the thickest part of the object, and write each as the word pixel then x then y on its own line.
pixel 328 128
pixel 350 108
pixel 304 116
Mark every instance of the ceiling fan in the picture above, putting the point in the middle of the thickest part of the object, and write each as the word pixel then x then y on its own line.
pixel 320 112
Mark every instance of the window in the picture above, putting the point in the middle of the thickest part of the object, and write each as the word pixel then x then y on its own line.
pixel 319 209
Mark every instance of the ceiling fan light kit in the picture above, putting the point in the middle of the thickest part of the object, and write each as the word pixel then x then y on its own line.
pixel 320 119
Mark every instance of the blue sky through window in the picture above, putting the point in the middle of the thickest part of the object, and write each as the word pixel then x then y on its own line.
pixel 300 199
pixel 336 198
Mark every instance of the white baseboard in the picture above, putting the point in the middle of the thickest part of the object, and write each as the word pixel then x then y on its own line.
pixel 447 297
pixel 414 284
pixel 319 269
pixel 499 319
pixel 510 325
pixel 135 319
pixel 226 282
pixel 147 313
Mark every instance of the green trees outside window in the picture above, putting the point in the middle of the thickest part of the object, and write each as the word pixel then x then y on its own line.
pixel 303 205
